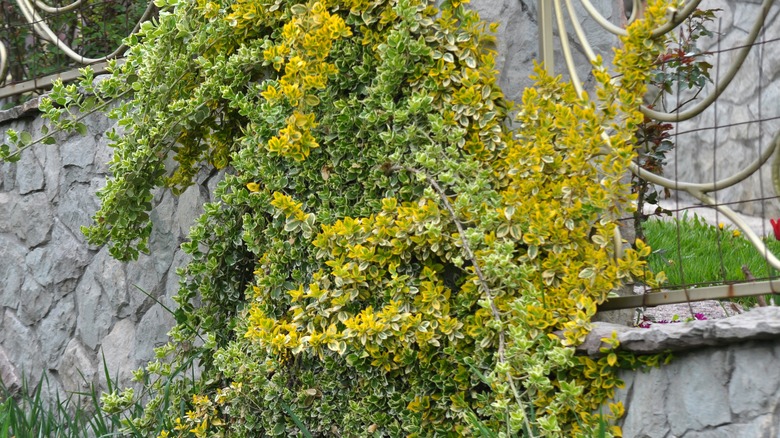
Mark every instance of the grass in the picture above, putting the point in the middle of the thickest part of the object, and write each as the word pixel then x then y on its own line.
pixel 26 413
pixel 693 252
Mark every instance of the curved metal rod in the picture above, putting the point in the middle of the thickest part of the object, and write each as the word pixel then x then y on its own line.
pixel 57 10
pixel 575 79
pixel 723 83
pixel 737 220
pixel 45 32
pixel 709 187
pixel 579 32
pixel 3 62
pixel 634 11
pixel 679 17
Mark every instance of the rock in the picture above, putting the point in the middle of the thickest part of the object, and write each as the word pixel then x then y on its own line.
pixel 29 173
pixel 118 349
pixel 706 393
pixel 28 217
pixel 9 375
pixel 152 332
pixel 11 272
pixel 76 368
pixel 93 320
pixel 190 207
pixel 101 295
pixel 645 392
pixel 103 155
pixel 759 323
pixel 78 151
pixel 21 346
pixel 751 387
pixel 78 203
pixel 698 402
pixel 143 281
pixel 64 258
pixel 27 109
pixel 56 329
pixel 49 156
pixel 36 302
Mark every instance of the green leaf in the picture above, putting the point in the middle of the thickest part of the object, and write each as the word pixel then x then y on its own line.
pixel 25 138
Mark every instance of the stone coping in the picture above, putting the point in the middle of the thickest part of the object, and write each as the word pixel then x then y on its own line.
pixel 761 323
pixel 29 108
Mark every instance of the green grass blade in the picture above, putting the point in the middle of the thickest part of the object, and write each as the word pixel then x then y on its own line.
pixel 296 420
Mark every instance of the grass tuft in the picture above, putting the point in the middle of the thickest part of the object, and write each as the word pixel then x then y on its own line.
pixel 26 413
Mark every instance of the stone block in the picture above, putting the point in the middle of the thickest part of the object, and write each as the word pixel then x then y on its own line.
pixel 759 323
pixel 118 349
pixel 55 330
pixel 12 272
pixel 28 217
pixel 49 156
pixel 77 204
pixel 9 375
pixel 103 156
pixel 21 347
pixel 190 207
pixel 35 302
pixel 754 386
pixel 78 151
pixel 63 258
pixel 152 331
pixel 76 368
pixel 645 394
pixel 29 173
pixel 697 400
pixel 101 295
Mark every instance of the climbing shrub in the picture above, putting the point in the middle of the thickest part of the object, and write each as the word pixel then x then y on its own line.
pixel 387 254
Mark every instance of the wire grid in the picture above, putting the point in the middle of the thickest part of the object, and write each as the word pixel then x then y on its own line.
pixel 715 142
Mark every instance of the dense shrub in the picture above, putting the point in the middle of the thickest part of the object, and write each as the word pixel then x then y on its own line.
pixel 386 254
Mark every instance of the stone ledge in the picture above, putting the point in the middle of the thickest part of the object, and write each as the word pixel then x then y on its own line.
pixel 29 108
pixel 757 324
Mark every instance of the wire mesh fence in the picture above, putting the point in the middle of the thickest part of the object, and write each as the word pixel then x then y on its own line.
pixel 715 229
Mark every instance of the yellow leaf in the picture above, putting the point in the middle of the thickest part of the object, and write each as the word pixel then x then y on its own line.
pixel 612 359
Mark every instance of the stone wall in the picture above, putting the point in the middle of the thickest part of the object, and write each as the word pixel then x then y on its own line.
pixel 723 381
pixel 63 303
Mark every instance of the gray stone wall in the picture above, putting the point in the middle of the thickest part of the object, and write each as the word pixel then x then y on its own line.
pixel 64 305
pixel 717 392
pixel 723 381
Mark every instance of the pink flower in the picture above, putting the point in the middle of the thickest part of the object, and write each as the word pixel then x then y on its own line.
pixel 776 226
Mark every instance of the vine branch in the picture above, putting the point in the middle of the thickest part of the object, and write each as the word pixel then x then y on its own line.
pixel 482 281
